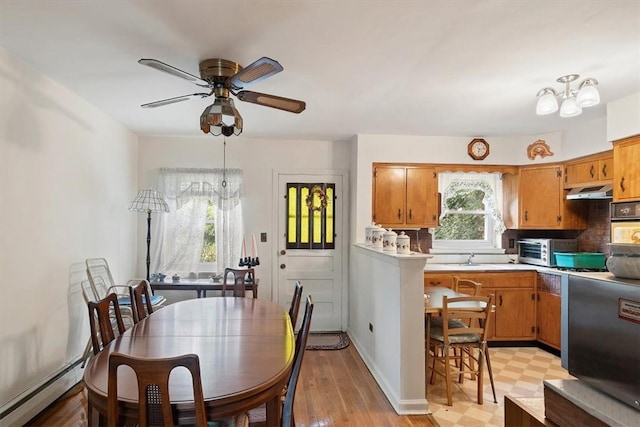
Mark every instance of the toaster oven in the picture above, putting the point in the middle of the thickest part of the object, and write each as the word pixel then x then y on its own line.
pixel 541 251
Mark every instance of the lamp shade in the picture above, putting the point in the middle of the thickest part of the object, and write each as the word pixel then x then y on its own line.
pixel 570 108
pixel 149 201
pixel 547 104
pixel 221 117
pixel 588 95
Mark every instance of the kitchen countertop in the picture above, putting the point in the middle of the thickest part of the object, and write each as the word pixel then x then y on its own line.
pixel 484 267
pixel 604 275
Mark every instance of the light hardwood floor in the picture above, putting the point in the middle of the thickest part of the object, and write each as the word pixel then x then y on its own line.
pixel 335 389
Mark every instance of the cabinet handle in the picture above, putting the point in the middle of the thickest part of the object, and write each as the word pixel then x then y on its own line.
pixel 592 171
pixel 399 214
pixel 410 214
pixel 622 183
pixel 500 301
pixel 526 215
pixel 434 283
pixel 604 170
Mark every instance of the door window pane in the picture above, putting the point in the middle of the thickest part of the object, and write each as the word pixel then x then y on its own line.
pixel 310 215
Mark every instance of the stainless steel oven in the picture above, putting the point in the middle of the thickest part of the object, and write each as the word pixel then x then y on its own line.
pixel 625 222
pixel 540 251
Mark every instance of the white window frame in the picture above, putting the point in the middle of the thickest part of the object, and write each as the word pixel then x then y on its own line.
pixel 493 241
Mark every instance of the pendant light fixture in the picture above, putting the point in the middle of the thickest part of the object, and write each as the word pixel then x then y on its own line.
pixel 573 100
pixel 221 117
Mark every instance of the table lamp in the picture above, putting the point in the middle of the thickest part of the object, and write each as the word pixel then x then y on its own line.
pixel 149 201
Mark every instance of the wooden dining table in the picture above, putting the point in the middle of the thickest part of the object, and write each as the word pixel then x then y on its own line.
pixel 245 345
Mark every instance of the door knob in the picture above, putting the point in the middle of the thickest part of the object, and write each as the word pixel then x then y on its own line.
pixel 283 252
pixel 282 266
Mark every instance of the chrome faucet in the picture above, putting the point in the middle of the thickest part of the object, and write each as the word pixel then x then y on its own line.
pixel 471 255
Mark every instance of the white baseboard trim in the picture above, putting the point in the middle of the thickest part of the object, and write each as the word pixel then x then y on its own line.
pixel 401 406
pixel 19 411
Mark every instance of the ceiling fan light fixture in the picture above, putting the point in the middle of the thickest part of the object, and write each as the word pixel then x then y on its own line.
pixel 221 118
pixel 574 100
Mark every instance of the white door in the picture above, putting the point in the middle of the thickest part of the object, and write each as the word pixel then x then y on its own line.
pixel 320 271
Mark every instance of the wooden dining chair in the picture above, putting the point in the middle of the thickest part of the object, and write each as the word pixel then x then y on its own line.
pixel 154 407
pixel 453 347
pixel 105 312
pixel 294 309
pixel 469 287
pixel 301 345
pixel 258 416
pixel 236 279
pixel 140 300
pixel 466 286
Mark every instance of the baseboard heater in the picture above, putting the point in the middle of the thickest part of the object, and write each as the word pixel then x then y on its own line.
pixel 31 402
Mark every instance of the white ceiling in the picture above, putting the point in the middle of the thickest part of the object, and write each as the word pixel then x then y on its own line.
pixel 457 67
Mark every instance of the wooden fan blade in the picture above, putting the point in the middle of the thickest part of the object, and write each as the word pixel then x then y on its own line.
pixel 286 104
pixel 174 100
pixel 154 63
pixel 258 70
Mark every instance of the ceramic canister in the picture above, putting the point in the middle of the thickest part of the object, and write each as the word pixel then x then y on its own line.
pixel 377 236
pixel 403 243
pixel 389 241
pixel 368 234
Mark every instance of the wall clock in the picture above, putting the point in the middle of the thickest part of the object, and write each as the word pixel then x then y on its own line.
pixel 478 149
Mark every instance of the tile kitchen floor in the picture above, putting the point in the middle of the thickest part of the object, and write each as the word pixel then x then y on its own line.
pixel 517 371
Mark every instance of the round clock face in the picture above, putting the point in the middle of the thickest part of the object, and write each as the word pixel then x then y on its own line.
pixel 478 149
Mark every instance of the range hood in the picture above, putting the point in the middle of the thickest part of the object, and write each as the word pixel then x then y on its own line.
pixel 592 192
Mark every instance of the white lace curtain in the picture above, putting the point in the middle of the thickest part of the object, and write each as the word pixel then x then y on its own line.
pixel 181 231
pixel 489 183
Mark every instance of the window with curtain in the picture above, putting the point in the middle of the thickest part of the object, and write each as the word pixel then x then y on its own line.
pixel 202 233
pixel 470 218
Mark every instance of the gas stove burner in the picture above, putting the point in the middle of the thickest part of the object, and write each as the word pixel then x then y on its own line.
pixel 583 270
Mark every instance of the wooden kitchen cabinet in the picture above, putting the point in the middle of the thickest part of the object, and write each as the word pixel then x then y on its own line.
pixel 535 199
pixel 548 310
pixel 626 171
pixel 590 170
pixel 405 195
pixel 514 295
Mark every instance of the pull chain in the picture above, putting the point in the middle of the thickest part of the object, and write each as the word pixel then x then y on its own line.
pixel 224 163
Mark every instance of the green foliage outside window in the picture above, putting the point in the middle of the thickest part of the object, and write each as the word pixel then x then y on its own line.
pixel 465 217
pixel 209 246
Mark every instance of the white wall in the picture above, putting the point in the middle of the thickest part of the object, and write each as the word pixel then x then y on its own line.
pixel 623 117
pixel 258 159
pixel 67 175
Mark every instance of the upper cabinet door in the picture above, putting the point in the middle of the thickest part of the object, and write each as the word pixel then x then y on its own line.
pixel 422 197
pixel 626 173
pixel 389 196
pixel 540 197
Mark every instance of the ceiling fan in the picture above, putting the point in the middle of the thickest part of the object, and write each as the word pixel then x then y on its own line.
pixel 221 78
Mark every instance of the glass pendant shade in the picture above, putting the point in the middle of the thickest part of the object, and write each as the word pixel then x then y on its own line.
pixel 547 104
pixel 588 96
pixel 570 108
pixel 221 117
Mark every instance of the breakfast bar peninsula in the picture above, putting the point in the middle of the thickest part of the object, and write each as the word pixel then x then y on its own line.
pixel 386 324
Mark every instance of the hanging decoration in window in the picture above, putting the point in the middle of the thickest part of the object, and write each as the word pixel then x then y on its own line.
pixel 310 210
